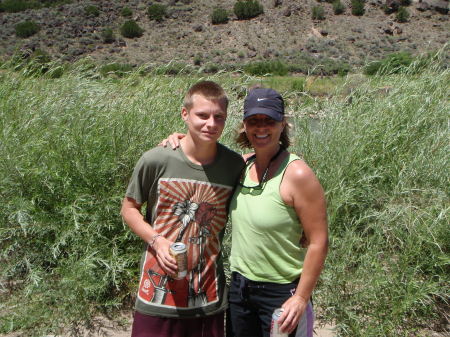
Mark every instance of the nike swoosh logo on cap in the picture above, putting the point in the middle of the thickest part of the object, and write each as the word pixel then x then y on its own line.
pixel 261 99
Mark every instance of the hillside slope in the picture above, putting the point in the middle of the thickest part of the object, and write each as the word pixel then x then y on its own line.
pixel 285 31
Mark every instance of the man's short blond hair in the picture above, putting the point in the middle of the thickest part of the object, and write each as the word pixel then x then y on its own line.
pixel 208 89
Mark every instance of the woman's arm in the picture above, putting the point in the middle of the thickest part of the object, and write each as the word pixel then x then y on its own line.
pixel 301 189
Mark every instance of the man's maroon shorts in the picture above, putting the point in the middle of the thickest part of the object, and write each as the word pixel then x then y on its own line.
pixel 152 326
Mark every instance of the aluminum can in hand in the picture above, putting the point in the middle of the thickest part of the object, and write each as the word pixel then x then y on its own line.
pixel 275 328
pixel 179 252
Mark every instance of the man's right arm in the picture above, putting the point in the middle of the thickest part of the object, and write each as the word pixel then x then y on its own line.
pixel 131 214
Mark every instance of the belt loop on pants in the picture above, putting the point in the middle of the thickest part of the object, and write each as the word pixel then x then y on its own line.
pixel 243 286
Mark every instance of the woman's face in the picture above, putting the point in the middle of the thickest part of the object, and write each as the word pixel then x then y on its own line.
pixel 263 131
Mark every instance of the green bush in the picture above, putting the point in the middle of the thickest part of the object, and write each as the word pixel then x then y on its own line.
pixel 198 59
pixel 358 7
pixel 266 67
pixel 157 12
pixel 247 9
pixel 318 13
pixel 126 12
pixel 211 68
pixel 108 35
pixel 298 84
pixel 26 29
pixel 116 69
pixel 174 68
pixel 391 64
pixel 218 16
pixel 92 10
pixel 402 15
pixel 405 2
pixel 15 6
pixel 338 7
pixel 131 29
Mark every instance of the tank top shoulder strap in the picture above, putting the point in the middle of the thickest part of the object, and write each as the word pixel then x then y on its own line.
pixel 282 169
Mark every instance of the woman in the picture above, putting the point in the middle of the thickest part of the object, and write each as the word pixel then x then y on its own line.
pixel 279 227
pixel 278 201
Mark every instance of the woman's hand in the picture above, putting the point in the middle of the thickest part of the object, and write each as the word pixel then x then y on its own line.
pixel 173 140
pixel 294 308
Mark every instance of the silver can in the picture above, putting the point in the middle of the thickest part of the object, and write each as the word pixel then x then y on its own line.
pixel 179 251
pixel 275 328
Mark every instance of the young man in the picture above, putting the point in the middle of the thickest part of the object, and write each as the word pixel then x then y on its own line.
pixel 186 193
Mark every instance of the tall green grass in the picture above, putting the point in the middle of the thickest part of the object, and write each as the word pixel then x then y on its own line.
pixel 384 162
pixel 68 146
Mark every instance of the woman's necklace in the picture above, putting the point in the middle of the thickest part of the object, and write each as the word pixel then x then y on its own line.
pixel 263 179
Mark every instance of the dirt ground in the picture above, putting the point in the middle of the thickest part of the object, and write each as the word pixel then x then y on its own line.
pixel 111 329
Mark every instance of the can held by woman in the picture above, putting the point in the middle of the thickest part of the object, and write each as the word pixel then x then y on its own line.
pixel 179 252
pixel 275 327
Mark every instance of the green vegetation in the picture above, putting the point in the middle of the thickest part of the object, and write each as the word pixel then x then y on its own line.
pixel 116 69
pixel 358 7
pixel 318 13
pixel 92 10
pixel 383 161
pixel 157 12
pixel 219 15
pixel 131 29
pixel 402 15
pixel 126 12
pixel 26 29
pixel 266 67
pixel 108 35
pixel 379 147
pixel 338 7
pixel 391 64
pixel 247 9
pixel 15 6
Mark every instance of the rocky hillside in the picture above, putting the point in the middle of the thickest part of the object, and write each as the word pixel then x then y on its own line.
pixel 285 31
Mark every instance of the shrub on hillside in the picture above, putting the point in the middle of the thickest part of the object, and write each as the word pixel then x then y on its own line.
pixel 26 29
pixel 131 29
pixel 174 68
pixel 247 9
pixel 92 10
pixel 318 13
pixel 157 12
pixel 117 69
pixel 358 7
pixel 405 2
pixel 218 16
pixel 391 64
pixel 338 7
pixel 108 35
pixel 126 12
pixel 266 67
pixel 15 6
pixel 402 15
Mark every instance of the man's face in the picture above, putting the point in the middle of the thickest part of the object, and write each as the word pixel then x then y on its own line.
pixel 205 120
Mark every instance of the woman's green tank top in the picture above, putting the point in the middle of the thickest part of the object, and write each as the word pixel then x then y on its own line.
pixel 265 231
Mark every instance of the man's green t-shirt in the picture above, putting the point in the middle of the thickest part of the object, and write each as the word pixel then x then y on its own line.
pixel 186 203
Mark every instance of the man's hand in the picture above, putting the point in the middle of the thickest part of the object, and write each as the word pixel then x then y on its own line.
pixel 165 260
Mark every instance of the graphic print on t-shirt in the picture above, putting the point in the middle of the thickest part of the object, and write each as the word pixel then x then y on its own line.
pixel 192 212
